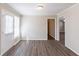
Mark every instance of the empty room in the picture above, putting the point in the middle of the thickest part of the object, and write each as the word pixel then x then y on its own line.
pixel 39 29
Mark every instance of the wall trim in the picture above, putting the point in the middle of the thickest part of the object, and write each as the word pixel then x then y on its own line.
pixel 73 50
pixel 10 47
pixel 32 39
pixel 52 36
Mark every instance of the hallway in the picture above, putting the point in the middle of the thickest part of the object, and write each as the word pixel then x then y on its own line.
pixel 39 48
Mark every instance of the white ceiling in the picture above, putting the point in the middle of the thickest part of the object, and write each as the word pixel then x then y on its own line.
pixel 49 8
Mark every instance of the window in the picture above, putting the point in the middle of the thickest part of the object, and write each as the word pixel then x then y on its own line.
pixel 16 26
pixel 12 24
pixel 9 24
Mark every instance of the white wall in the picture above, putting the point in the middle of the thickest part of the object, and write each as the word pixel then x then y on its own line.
pixel 71 16
pixel 0 31
pixel 7 40
pixel 35 27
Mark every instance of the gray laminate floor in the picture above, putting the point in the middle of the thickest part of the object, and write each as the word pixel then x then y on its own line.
pixel 39 48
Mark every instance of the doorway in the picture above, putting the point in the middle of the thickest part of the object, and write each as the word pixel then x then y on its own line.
pixel 51 29
pixel 62 30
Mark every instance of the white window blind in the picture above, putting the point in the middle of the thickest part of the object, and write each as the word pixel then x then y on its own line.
pixel 16 26
pixel 9 24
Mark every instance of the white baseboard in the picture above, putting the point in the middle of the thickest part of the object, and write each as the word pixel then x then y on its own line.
pixel 52 36
pixel 16 42
pixel 32 39
pixel 10 47
pixel 73 50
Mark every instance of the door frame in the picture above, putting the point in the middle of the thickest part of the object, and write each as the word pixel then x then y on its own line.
pixel 63 20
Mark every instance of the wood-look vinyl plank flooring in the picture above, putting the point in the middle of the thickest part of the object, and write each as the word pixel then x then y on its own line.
pixel 39 48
